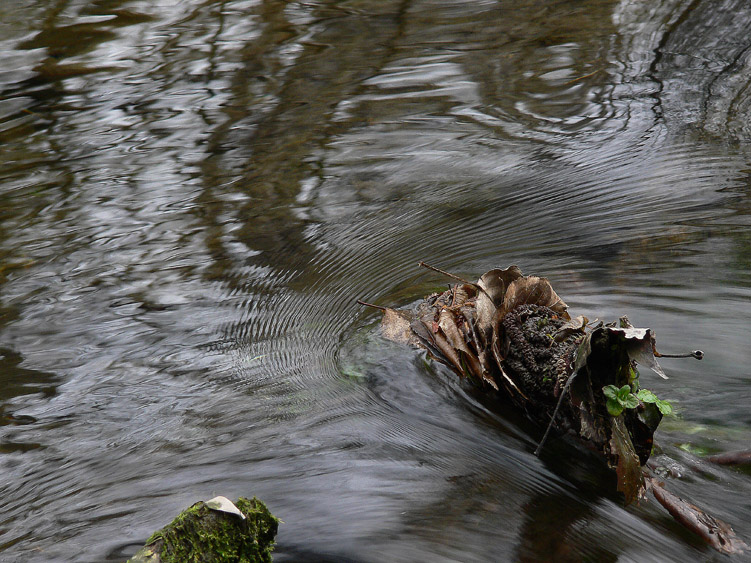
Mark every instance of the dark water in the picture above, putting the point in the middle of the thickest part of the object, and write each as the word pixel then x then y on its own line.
pixel 194 194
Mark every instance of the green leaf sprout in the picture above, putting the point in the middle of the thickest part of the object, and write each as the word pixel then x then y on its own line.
pixel 620 399
pixel 646 396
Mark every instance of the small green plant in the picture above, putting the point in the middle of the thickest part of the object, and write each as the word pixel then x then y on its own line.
pixel 623 398
pixel 646 396
pixel 619 399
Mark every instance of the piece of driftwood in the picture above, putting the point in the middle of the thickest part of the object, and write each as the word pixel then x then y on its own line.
pixel 214 531
pixel 512 335
pixel 731 458
pixel 712 530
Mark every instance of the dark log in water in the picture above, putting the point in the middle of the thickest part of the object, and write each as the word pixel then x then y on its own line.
pixel 731 458
pixel 512 335
pixel 715 532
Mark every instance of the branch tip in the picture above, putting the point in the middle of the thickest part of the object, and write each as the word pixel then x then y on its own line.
pixel 360 302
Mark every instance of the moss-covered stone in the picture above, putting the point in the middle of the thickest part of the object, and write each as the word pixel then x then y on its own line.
pixel 202 535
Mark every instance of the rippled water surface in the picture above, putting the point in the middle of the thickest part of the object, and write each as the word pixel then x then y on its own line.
pixel 193 194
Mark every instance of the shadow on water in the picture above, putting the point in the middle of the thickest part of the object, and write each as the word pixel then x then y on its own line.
pixel 194 194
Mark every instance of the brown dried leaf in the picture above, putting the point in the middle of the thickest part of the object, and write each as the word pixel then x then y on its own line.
pixel 483 354
pixel 449 354
pixel 494 285
pixel 627 466
pixel 496 282
pixel 468 361
pixel 639 346
pixel 715 532
pixel 472 364
pixel 447 323
pixel 395 325
pixel 426 339
pixel 571 327
pixel 532 290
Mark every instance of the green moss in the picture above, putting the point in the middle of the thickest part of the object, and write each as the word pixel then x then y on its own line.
pixel 202 535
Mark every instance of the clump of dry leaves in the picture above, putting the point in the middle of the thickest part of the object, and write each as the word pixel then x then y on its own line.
pixel 512 334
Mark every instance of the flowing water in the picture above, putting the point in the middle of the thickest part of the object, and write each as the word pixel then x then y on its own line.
pixel 194 193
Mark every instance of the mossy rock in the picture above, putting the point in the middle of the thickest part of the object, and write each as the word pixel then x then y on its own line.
pixel 203 535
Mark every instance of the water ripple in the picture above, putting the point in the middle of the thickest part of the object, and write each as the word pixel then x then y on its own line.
pixel 193 196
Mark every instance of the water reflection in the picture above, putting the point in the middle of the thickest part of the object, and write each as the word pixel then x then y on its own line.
pixel 193 195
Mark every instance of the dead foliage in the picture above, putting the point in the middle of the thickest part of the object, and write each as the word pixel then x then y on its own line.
pixel 512 335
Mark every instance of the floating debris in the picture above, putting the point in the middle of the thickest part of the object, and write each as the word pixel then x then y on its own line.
pixel 512 335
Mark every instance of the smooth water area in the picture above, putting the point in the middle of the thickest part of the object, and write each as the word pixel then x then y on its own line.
pixel 193 194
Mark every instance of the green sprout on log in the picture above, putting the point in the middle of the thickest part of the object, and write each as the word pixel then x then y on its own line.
pixel 646 396
pixel 623 398
pixel 619 399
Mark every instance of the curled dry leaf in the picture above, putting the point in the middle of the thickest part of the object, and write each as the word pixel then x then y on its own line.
pixel 637 342
pixel 639 346
pixel 494 285
pixel 395 325
pixel 578 324
pixel 532 290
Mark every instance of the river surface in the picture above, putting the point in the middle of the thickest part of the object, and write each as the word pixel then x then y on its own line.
pixel 193 194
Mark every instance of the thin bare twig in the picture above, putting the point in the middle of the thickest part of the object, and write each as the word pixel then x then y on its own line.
pixel 478 287
pixel 371 305
pixel 555 412
pixel 698 354
pixel 452 276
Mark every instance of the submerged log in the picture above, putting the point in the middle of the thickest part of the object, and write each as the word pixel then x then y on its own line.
pixel 215 531
pixel 731 458
pixel 512 335
pixel 712 530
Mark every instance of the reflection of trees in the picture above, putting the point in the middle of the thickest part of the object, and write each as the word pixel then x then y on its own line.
pixel 696 55
pixel 16 381
pixel 738 232
pixel 292 79
pixel 570 79
pixel 542 72
pixel 546 73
